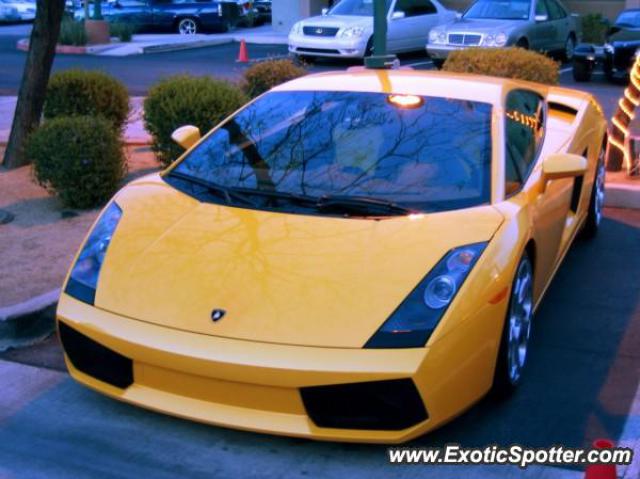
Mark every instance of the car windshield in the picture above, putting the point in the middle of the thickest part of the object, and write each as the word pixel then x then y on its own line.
pixel 419 153
pixel 362 8
pixel 630 18
pixel 499 10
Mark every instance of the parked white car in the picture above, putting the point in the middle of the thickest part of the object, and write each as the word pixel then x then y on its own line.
pixel 26 9
pixel 346 30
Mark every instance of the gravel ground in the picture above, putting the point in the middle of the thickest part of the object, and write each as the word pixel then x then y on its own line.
pixel 37 247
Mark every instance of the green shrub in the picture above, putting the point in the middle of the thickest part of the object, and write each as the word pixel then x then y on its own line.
pixel 123 31
pixel 515 63
pixel 263 76
pixel 594 28
pixel 184 100
pixel 80 159
pixel 90 93
pixel 72 33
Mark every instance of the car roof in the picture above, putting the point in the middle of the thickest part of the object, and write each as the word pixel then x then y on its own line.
pixel 461 86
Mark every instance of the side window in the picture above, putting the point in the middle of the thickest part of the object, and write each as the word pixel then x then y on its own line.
pixel 541 8
pixel 555 10
pixel 414 8
pixel 524 130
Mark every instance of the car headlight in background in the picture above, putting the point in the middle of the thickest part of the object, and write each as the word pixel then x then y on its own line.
pixel 83 279
pixel 498 40
pixel 297 28
pixel 437 36
pixel 351 32
pixel 413 322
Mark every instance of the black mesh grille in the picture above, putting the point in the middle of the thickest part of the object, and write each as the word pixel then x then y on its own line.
pixel 380 405
pixel 320 31
pixel 464 39
pixel 94 359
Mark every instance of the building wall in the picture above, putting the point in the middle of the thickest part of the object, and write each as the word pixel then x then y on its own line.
pixel 287 12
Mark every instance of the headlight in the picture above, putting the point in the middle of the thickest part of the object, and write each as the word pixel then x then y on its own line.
pixel 297 28
pixel 352 32
pixel 491 40
pixel 83 279
pixel 437 36
pixel 411 325
pixel 501 39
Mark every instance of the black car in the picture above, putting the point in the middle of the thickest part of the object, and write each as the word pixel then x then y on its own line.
pixel 183 16
pixel 618 53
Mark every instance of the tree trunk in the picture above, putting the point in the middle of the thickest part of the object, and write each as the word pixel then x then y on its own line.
pixel 42 48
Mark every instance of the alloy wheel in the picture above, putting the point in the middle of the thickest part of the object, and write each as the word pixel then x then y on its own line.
pixel 599 190
pixel 569 49
pixel 520 314
pixel 187 26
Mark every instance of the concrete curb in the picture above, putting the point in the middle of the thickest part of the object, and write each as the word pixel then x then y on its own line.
pixel 23 45
pixel 28 322
pixel 622 195
pixel 173 47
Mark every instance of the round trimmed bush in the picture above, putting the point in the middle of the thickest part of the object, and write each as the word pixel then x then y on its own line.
pixel 87 93
pixel 263 76
pixel 79 159
pixel 185 100
pixel 515 63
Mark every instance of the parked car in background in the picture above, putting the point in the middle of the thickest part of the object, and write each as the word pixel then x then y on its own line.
pixel 183 16
pixel 542 25
pixel 346 30
pixel 26 9
pixel 8 14
pixel 617 55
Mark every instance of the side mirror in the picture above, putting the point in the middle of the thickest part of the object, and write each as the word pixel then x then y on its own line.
pixel 563 165
pixel 397 15
pixel 541 18
pixel 186 136
pixel 325 11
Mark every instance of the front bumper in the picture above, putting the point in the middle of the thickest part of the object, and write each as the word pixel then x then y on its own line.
pixel 440 51
pixel 257 386
pixel 328 46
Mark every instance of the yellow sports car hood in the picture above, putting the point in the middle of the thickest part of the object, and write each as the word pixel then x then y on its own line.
pixel 280 278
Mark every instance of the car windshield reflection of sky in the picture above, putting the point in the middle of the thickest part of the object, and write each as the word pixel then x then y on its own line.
pixel 435 156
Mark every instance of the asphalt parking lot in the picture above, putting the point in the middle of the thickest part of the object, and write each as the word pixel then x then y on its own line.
pixel 583 377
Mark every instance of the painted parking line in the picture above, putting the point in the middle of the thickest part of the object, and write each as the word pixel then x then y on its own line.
pixel 416 64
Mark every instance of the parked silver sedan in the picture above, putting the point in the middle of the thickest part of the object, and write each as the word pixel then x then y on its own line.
pixel 542 25
pixel 347 29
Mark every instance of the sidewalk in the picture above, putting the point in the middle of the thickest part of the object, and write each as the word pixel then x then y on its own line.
pixel 155 43
pixel 134 133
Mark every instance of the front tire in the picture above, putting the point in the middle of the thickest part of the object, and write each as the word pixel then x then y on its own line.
pixel 438 63
pixel 596 203
pixel 187 26
pixel 516 332
pixel 581 70
pixel 569 48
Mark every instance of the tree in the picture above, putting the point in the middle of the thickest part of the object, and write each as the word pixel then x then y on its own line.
pixel 37 68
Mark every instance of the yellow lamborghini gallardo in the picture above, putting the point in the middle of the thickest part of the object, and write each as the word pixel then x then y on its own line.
pixel 352 256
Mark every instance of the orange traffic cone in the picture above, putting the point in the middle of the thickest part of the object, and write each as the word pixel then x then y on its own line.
pixel 601 471
pixel 243 55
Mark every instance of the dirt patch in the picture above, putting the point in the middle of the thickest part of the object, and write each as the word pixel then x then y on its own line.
pixel 37 247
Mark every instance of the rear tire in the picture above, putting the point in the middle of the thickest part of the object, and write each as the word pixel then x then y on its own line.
pixel 523 43
pixel 516 331
pixel 596 202
pixel 581 71
pixel 187 26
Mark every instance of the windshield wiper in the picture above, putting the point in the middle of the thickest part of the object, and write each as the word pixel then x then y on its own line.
pixel 225 192
pixel 281 195
pixel 361 205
